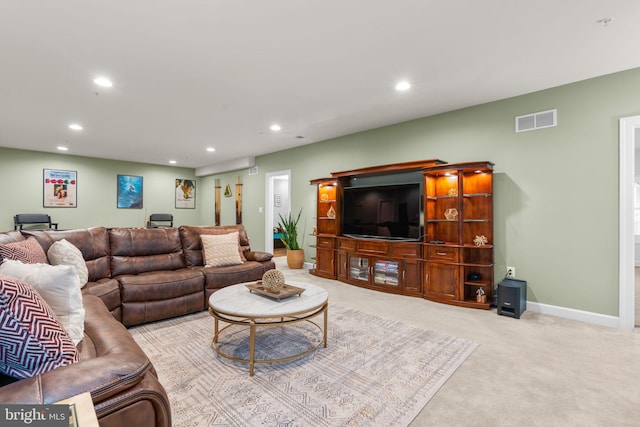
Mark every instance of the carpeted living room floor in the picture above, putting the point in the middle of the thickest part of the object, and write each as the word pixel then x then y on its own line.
pixel 538 370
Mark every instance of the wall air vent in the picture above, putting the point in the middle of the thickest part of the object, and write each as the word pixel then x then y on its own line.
pixel 253 170
pixel 543 119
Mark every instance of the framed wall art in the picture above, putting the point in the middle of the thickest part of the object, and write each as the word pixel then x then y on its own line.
pixel 59 188
pixel 129 192
pixel 185 193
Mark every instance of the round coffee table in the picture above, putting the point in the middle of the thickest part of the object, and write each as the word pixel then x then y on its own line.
pixel 237 305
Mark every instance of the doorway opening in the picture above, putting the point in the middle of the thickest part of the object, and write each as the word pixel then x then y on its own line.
pixel 277 202
pixel 629 144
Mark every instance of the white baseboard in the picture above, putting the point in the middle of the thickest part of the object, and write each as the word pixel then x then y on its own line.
pixel 553 310
pixel 573 314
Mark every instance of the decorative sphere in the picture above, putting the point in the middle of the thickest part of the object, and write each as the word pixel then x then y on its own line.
pixel 273 280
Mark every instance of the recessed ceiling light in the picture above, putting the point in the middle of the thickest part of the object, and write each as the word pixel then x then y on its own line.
pixel 402 86
pixel 75 126
pixel 103 81
pixel 61 148
pixel 275 127
pixel 211 149
pixel 173 162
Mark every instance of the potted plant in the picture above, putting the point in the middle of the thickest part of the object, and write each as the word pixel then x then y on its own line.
pixel 289 237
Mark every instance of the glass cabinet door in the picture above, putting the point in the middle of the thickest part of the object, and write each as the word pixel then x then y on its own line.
pixel 359 268
pixel 386 272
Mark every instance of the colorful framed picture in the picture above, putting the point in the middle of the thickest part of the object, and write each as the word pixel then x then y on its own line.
pixel 59 188
pixel 185 193
pixel 129 192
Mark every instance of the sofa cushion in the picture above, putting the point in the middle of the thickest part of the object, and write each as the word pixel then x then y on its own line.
pixel 28 251
pixel 108 290
pixel 140 250
pixel 59 286
pixel 220 250
pixel 156 295
pixel 63 252
pixel 11 236
pixel 192 244
pixel 220 277
pixel 93 244
pixel 32 341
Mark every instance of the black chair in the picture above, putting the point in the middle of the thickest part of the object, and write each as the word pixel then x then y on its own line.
pixel 155 218
pixel 20 220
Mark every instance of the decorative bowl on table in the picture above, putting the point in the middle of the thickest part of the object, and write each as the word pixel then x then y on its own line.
pixel 273 281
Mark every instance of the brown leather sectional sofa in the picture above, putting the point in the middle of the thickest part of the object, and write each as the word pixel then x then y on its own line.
pixel 136 275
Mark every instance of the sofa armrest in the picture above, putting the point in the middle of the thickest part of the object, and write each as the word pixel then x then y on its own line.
pixel 104 377
pixel 258 256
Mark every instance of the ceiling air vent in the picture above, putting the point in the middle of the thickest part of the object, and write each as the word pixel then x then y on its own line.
pixel 543 119
pixel 253 170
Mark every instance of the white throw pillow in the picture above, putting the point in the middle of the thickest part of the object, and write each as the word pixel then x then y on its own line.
pixel 59 286
pixel 64 252
pixel 220 250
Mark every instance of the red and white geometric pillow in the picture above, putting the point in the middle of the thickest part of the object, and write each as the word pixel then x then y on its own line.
pixel 32 341
pixel 59 286
pixel 28 251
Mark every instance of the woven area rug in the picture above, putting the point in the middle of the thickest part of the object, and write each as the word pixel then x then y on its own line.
pixel 374 372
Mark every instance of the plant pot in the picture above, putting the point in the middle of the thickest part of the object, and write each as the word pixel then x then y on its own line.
pixel 295 258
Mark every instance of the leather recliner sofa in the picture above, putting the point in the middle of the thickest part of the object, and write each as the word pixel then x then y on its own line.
pixel 136 275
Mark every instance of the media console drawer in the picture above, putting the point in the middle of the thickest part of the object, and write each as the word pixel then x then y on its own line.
pixel 442 253
pixel 324 242
pixel 406 250
pixel 347 244
pixel 372 247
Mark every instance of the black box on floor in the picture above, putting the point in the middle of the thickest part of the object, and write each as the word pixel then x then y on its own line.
pixel 512 297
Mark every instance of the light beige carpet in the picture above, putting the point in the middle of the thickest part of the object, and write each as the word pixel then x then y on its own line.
pixel 375 372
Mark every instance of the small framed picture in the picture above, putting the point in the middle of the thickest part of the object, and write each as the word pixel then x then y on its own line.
pixel 185 193
pixel 59 188
pixel 129 192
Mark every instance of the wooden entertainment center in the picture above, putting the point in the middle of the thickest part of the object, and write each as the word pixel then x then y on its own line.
pixel 450 259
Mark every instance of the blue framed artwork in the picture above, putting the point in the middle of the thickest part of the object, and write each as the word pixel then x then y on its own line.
pixel 129 192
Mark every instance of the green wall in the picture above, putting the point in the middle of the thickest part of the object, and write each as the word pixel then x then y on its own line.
pixel 556 189
pixel 22 173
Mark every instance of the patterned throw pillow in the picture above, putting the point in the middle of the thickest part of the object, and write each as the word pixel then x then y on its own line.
pixel 32 341
pixel 28 251
pixel 220 250
pixel 216 231
pixel 64 252
pixel 58 285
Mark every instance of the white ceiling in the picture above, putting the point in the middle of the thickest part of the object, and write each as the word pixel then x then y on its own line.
pixel 192 74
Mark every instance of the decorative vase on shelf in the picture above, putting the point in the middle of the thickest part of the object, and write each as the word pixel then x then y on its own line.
pixel 480 240
pixel 331 213
pixel 451 214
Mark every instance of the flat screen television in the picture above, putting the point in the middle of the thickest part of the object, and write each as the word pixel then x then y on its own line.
pixel 391 211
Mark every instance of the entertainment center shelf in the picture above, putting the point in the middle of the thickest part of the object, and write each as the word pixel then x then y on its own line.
pixel 421 228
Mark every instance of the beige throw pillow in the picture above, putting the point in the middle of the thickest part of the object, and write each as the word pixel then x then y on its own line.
pixel 220 250
pixel 64 252
pixel 59 286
